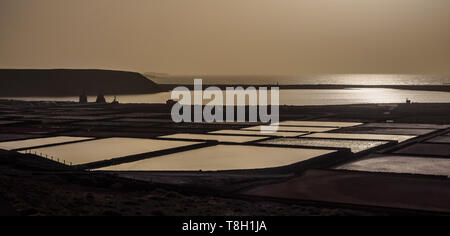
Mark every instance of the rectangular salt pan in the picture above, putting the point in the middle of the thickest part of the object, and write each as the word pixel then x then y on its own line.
pixel 292 128
pixel 220 138
pixel 222 157
pixel 258 133
pixel 399 138
pixel 440 139
pixel 319 123
pixel 394 131
pixel 28 143
pixel 433 149
pixel 405 126
pixel 8 137
pixel 104 149
pixel 401 164
pixel 354 145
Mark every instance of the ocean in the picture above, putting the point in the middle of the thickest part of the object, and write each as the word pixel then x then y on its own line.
pixel 299 97
pixel 334 79
pixel 302 97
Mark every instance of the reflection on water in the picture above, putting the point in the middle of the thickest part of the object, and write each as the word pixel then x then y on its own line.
pixel 222 157
pixel 354 145
pixel 296 97
pixel 346 79
pixel 38 142
pixel 103 149
pixel 359 96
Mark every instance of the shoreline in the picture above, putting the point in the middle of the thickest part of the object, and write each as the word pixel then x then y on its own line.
pixel 168 87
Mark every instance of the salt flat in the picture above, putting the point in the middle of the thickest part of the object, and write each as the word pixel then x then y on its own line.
pixel 354 145
pixel 222 157
pixel 292 128
pixel 220 138
pixel 399 138
pixel 258 133
pixel 320 123
pixel 401 164
pixel 28 143
pixel 109 148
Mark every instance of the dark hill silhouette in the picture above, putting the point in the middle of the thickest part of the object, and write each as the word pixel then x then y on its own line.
pixel 68 82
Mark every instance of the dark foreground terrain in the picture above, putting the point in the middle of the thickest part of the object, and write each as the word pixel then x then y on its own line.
pixel 27 190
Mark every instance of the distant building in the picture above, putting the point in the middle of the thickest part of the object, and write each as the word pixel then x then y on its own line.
pixel 83 99
pixel 100 99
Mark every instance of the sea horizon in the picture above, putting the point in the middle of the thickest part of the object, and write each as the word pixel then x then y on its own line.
pixel 318 79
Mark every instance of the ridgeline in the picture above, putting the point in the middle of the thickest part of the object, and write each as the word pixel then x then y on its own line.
pixel 72 82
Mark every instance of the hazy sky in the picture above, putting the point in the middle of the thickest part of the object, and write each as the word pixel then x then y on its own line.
pixel 263 37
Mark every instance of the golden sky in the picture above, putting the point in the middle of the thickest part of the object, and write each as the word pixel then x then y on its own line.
pixel 262 37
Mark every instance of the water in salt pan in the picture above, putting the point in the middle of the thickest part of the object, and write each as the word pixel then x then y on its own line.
pixel 258 133
pixel 399 138
pixel 104 149
pixel 405 126
pixel 401 164
pixel 440 139
pixel 292 128
pixel 432 149
pixel 8 137
pixel 354 145
pixel 222 157
pixel 28 143
pixel 396 131
pixel 319 123
pixel 220 138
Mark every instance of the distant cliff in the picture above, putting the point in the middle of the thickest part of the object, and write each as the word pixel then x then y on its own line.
pixel 68 82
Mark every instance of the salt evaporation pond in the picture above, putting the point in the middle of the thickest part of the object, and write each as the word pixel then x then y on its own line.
pixel 104 149
pixel 319 123
pixel 258 133
pixel 354 145
pixel 29 143
pixel 222 157
pixel 405 126
pixel 9 137
pixel 291 128
pixel 399 138
pixel 432 149
pixel 401 164
pixel 440 139
pixel 395 131
pixel 220 138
